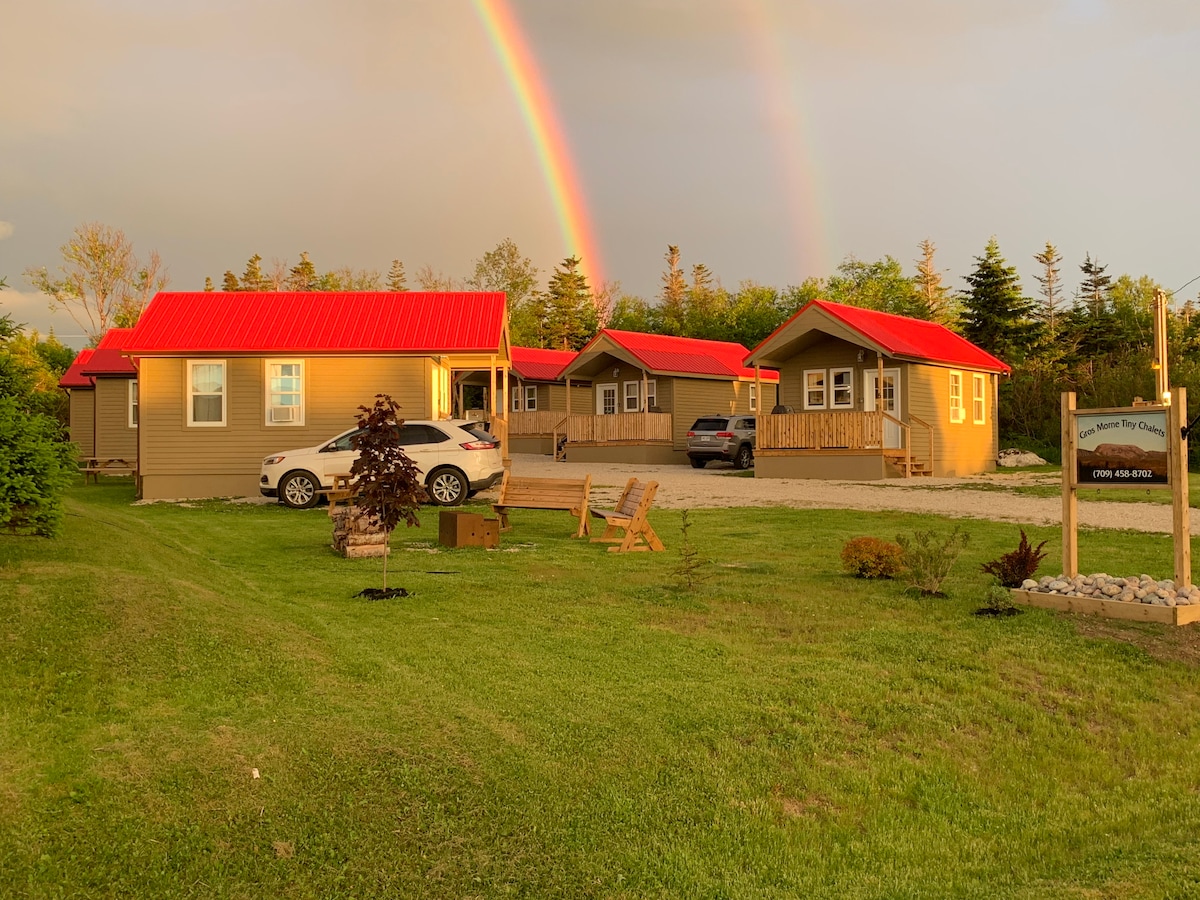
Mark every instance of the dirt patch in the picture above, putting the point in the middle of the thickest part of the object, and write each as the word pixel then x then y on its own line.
pixel 1170 644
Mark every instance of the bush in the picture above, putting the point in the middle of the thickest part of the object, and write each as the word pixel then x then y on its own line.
pixel 928 557
pixel 868 557
pixel 997 599
pixel 36 466
pixel 1013 568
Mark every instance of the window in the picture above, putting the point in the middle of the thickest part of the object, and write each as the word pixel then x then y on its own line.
pixel 753 399
pixel 956 397
pixel 978 407
pixel 814 389
pixel 206 392
pixel 606 400
pixel 413 435
pixel 651 394
pixel 285 392
pixel 516 401
pixel 133 403
pixel 531 397
pixel 632 396
pixel 843 388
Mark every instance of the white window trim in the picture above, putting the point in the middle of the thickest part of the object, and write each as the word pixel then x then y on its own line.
pixel 832 388
pixel 651 393
pixel 516 401
pixel 979 398
pixel 636 396
pixel 753 399
pixel 531 397
pixel 299 420
pixel 134 399
pixel 958 412
pixel 824 388
pixel 224 395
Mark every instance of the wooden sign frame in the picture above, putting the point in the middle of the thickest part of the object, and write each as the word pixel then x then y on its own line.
pixel 1177 481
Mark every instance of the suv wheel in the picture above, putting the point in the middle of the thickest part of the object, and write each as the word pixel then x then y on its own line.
pixel 299 490
pixel 447 487
pixel 697 463
pixel 743 457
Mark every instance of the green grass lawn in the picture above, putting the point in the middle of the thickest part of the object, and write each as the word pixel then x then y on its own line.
pixel 551 720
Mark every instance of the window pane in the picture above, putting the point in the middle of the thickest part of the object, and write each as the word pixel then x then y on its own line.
pixel 206 409
pixel 208 378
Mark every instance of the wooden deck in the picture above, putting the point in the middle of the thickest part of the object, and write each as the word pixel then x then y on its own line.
pixel 848 432
pixel 621 428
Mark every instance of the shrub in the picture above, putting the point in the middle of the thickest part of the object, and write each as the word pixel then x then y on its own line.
pixel 1013 568
pixel 36 467
pixel 997 599
pixel 928 558
pixel 691 569
pixel 868 557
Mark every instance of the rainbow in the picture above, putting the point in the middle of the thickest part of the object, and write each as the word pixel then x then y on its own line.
pixel 783 102
pixel 538 110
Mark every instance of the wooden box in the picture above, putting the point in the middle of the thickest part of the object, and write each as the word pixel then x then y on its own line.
pixel 1113 609
pixel 467 529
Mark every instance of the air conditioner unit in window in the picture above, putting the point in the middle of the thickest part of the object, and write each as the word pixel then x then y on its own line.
pixel 284 413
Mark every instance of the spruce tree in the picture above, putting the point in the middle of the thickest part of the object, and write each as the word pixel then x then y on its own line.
pixel 396 279
pixel 570 315
pixel 230 282
pixel 673 298
pixel 208 285
pixel 1096 288
pixel 303 275
pixel 933 300
pixel 252 278
pixel 1051 283
pixel 995 314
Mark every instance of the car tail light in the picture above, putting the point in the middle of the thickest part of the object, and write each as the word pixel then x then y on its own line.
pixel 478 445
pixel 691 434
pixel 724 434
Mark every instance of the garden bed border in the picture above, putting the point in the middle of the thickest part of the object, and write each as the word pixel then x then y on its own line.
pixel 1112 609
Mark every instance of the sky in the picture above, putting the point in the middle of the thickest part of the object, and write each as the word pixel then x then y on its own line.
pixel 767 139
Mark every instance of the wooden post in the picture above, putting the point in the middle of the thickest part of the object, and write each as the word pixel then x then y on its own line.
pixel 1070 504
pixel 1177 455
pixel 492 388
pixel 758 397
pixel 568 395
pixel 1161 381
pixel 462 403
pixel 646 395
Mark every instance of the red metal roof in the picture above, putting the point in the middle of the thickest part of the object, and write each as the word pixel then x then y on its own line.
pixel 73 378
pixel 533 364
pixel 903 336
pixel 107 359
pixel 320 322
pixel 673 355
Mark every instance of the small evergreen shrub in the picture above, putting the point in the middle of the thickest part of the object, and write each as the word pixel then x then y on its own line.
pixel 36 468
pixel 997 599
pixel 1013 568
pixel 691 570
pixel 928 558
pixel 868 557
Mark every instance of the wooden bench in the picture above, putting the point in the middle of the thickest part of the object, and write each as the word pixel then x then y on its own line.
pixel 570 494
pixel 95 466
pixel 630 517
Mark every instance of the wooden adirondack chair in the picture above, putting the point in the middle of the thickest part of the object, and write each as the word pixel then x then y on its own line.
pixel 627 525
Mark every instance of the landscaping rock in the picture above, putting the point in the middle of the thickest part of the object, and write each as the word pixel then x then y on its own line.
pixel 1013 457
pixel 1140 589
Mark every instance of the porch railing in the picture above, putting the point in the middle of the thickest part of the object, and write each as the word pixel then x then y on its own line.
pixel 534 421
pixel 851 430
pixel 630 428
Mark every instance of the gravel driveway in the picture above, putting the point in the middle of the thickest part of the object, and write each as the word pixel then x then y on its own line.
pixel 718 485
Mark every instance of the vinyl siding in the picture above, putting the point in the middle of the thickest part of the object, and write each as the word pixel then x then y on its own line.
pixel 83 421
pixel 114 437
pixel 696 397
pixel 334 389
pixel 959 448
pixel 832 353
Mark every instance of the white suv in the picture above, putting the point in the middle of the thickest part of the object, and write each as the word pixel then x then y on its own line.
pixel 456 458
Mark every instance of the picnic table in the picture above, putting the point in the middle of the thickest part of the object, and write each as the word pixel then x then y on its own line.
pixel 95 466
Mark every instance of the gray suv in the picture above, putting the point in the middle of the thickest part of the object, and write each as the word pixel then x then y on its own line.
pixel 721 437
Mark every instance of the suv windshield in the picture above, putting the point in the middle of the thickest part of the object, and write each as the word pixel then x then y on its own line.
pixel 710 425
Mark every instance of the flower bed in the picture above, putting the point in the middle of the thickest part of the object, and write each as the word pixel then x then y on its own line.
pixel 1138 597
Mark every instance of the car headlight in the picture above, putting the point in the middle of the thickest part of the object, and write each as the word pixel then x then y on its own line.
pixel 273 460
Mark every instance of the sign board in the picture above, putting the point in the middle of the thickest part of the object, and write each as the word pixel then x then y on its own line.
pixel 1122 446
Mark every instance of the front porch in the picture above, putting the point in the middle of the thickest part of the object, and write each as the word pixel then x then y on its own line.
pixel 641 437
pixel 852 445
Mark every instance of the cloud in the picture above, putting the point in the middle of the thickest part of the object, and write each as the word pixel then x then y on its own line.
pixel 6 229
pixel 33 311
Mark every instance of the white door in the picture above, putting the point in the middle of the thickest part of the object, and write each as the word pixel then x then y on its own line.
pixel 890 397
pixel 606 399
